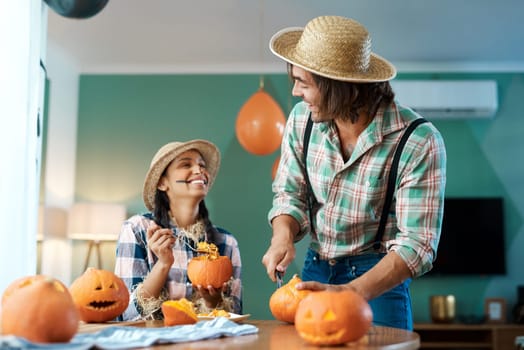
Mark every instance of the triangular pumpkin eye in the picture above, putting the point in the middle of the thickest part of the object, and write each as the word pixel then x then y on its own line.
pixel 98 287
pixel 308 315
pixel 59 286
pixel 329 316
pixel 112 286
pixel 26 282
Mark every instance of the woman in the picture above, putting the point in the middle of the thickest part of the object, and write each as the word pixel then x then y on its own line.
pixel 154 249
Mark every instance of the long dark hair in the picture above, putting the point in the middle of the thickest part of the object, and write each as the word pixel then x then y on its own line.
pixel 345 99
pixel 163 218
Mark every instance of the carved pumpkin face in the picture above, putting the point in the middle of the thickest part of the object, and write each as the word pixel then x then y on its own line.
pixel 40 309
pixel 99 295
pixel 284 301
pixel 177 312
pixel 210 268
pixel 333 317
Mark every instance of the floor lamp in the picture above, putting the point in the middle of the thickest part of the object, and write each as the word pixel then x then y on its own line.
pixel 54 247
pixel 95 223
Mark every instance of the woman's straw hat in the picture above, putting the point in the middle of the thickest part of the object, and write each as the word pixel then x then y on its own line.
pixel 165 155
pixel 334 47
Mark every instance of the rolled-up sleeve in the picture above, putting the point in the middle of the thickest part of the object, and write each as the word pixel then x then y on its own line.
pixel 419 203
pixel 289 186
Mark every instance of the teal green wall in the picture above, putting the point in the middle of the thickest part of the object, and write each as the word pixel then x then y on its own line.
pixel 124 119
pixel 45 122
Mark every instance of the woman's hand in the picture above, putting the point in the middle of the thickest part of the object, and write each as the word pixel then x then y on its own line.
pixel 211 295
pixel 161 241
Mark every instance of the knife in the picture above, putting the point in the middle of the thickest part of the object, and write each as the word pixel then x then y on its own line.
pixel 278 275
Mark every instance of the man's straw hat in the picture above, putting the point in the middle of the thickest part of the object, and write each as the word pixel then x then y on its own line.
pixel 334 47
pixel 165 155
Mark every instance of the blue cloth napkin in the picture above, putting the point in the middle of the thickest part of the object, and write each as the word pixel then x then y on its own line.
pixel 120 337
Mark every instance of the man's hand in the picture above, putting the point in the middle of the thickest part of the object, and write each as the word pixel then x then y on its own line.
pixel 281 252
pixel 277 258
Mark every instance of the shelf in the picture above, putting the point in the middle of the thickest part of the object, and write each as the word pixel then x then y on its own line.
pixel 452 345
pixel 466 336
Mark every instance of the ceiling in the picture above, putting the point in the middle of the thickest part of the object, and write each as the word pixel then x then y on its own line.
pixel 141 36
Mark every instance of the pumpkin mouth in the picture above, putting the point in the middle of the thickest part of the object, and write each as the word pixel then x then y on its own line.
pixel 102 305
pixel 326 338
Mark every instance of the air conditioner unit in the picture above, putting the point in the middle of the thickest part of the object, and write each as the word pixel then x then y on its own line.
pixel 448 98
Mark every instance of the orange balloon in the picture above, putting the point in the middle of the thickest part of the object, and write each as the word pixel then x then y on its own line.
pixel 260 124
pixel 275 168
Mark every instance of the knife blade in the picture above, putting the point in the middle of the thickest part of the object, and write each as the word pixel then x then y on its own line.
pixel 278 275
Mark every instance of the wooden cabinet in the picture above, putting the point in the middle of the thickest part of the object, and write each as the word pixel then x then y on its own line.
pixel 465 336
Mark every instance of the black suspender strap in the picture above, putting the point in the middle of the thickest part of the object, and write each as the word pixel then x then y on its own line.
pixel 309 194
pixel 392 179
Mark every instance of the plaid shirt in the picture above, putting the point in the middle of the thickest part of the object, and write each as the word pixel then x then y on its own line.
pixel 134 260
pixel 350 195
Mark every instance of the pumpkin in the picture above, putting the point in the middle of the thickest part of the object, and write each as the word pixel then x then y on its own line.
pixel 333 317
pixel 283 303
pixel 99 295
pixel 177 312
pixel 40 309
pixel 209 268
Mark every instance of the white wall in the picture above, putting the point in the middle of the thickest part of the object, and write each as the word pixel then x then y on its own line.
pixel 59 186
pixel 21 88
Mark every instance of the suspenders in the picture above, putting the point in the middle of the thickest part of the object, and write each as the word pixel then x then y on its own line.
pixel 310 196
pixel 392 178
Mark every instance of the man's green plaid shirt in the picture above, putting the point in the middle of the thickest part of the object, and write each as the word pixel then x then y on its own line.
pixel 351 194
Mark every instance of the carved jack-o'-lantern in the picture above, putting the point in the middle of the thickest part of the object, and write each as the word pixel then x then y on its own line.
pixel 333 317
pixel 40 309
pixel 284 301
pixel 99 295
pixel 177 312
pixel 209 268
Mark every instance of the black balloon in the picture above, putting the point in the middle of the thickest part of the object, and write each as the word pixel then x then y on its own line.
pixel 77 8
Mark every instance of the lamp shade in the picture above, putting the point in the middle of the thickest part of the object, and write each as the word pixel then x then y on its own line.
pixel 52 222
pixel 95 221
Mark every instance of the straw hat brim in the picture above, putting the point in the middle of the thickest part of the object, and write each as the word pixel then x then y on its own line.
pixel 165 156
pixel 283 44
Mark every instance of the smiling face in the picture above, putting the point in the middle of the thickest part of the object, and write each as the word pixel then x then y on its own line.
pixel 304 86
pixel 186 175
pixel 333 317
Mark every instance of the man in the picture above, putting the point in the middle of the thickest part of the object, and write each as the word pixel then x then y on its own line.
pixel 356 128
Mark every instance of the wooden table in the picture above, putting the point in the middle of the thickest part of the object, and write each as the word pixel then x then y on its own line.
pixel 276 335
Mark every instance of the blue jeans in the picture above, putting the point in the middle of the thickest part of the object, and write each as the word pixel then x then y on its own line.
pixel 391 309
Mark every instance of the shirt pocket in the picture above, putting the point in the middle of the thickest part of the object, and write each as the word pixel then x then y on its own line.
pixel 368 197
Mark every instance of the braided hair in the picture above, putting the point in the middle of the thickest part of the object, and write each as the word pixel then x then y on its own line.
pixel 162 216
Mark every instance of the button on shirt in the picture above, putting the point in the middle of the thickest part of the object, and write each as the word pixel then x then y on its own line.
pixel 350 195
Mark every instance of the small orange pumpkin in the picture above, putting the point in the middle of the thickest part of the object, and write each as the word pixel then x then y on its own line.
pixel 333 317
pixel 40 309
pixel 99 295
pixel 177 312
pixel 284 301
pixel 209 268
